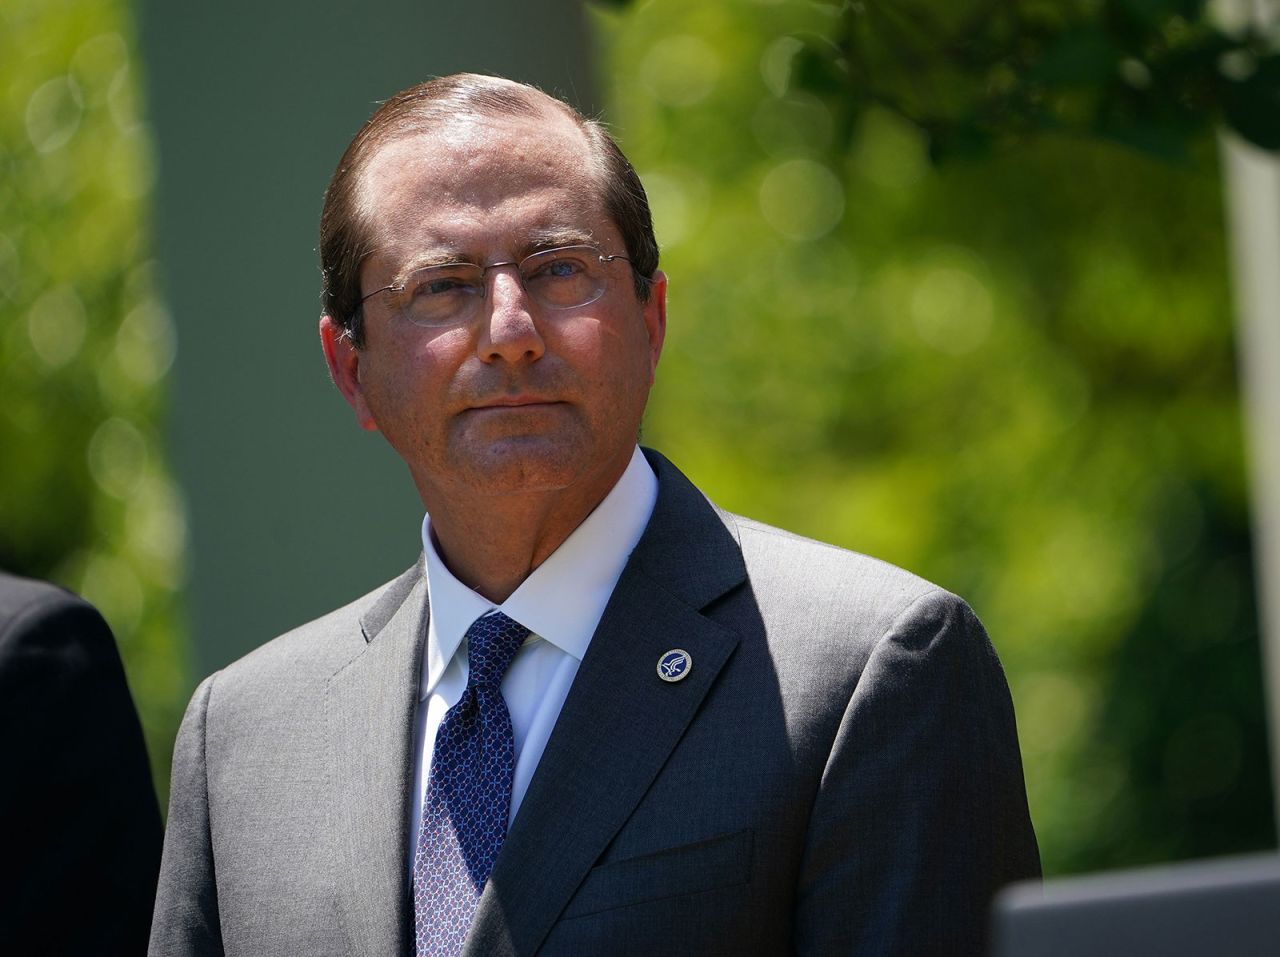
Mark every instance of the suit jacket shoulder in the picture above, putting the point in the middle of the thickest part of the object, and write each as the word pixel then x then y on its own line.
pixel 68 734
pixel 292 773
pixel 26 596
pixel 850 589
pixel 320 646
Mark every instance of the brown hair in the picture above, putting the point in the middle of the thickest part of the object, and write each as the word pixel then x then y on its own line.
pixel 344 231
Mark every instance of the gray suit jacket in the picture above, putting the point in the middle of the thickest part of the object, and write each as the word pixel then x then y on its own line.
pixel 839 772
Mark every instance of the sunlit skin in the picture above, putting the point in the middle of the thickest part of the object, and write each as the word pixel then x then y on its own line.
pixel 514 425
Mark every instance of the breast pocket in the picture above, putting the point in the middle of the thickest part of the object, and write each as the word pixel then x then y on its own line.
pixel 689 869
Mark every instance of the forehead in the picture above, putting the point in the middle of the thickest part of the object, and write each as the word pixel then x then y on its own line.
pixel 477 181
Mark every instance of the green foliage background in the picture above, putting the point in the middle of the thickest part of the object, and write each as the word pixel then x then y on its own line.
pixel 85 344
pixel 1011 373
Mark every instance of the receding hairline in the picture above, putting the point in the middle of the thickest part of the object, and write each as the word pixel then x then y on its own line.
pixel 430 126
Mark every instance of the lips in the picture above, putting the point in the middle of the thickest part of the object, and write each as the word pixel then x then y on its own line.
pixel 515 402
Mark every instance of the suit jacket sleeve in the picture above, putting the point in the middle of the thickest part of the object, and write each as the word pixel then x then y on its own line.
pixel 75 785
pixel 921 814
pixel 186 912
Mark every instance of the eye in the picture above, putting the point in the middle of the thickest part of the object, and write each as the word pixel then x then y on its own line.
pixel 564 267
pixel 556 264
pixel 437 287
pixel 436 295
pixel 437 281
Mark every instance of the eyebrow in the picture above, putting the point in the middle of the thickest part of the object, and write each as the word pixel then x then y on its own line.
pixel 536 240
pixel 550 237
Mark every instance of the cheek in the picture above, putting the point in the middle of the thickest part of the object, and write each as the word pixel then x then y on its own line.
pixel 410 365
pixel 398 391
pixel 634 354
pixel 612 348
pixel 617 368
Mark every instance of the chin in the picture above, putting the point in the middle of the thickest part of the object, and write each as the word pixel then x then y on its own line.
pixel 527 464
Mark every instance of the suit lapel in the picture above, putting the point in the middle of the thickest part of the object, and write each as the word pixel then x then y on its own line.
pixel 370 705
pixel 620 721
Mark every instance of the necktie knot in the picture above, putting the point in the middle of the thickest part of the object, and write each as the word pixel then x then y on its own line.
pixel 492 643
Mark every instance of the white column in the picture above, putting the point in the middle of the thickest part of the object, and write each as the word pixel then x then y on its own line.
pixel 1253 216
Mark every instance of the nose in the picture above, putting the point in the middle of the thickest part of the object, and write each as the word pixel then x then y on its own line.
pixel 509 332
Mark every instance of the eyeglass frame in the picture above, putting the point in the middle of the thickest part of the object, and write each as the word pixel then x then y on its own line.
pixel 403 283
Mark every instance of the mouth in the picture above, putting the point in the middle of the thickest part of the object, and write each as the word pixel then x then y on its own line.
pixel 511 402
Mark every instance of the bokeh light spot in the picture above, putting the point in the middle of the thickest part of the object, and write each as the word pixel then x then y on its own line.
pixel 117 457
pixel 889 153
pixel 158 529
pixel 951 309
pixel 1052 709
pixel 681 70
pixel 100 58
pixel 798 123
pixel 110 584
pixel 801 199
pixel 677 198
pixel 145 343
pixel 56 325
pixel 775 63
pixel 53 114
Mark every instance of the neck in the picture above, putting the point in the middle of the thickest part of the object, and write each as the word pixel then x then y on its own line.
pixel 493 543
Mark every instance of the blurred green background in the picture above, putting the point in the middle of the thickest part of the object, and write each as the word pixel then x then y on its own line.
pixel 86 343
pixel 990 342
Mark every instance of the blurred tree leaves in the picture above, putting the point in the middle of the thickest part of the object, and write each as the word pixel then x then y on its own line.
pixel 1012 372
pixel 85 343
pixel 978 74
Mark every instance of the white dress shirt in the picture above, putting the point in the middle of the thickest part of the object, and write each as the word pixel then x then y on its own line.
pixel 560 603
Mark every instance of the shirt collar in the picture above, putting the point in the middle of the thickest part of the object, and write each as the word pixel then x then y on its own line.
pixel 562 600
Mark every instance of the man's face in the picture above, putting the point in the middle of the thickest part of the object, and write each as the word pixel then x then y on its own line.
pixel 520 398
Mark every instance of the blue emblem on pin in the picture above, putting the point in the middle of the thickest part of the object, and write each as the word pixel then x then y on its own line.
pixel 675 665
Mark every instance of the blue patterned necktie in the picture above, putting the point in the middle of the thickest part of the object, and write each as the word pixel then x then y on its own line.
pixel 464 814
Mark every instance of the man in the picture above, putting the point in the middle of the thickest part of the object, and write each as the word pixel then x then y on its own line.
pixel 599 716
pixel 82 843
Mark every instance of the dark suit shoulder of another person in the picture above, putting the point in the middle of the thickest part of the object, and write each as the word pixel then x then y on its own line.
pixel 83 830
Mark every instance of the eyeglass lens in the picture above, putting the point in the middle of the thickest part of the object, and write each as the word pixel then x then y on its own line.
pixel 554 279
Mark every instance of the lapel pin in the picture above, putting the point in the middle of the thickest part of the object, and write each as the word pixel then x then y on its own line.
pixel 675 665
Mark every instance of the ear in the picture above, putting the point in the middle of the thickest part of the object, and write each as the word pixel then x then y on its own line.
pixel 655 319
pixel 343 359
